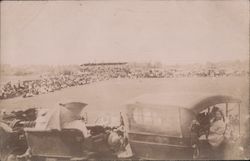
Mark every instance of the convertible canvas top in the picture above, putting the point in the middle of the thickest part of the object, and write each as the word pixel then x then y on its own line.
pixel 192 101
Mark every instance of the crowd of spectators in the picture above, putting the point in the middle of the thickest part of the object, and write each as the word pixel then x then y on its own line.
pixel 92 73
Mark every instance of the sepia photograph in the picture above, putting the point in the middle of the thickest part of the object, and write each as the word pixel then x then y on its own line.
pixel 124 80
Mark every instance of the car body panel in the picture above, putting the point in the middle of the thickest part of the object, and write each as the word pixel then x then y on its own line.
pixel 171 136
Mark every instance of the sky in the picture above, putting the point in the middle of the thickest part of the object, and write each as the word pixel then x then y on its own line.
pixel 171 32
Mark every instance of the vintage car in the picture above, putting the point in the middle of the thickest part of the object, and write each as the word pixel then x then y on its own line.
pixel 159 125
pixel 50 140
pixel 155 126
pixel 66 144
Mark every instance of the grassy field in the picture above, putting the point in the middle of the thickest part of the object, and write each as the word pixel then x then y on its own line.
pixel 109 96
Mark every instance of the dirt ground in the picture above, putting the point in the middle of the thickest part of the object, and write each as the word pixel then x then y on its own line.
pixel 109 96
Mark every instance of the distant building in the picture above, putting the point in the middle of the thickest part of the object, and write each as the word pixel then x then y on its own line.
pixel 101 64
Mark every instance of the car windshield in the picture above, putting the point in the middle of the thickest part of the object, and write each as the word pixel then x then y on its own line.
pixel 151 119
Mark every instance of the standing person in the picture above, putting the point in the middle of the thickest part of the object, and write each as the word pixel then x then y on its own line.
pixel 216 134
pixel 212 114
